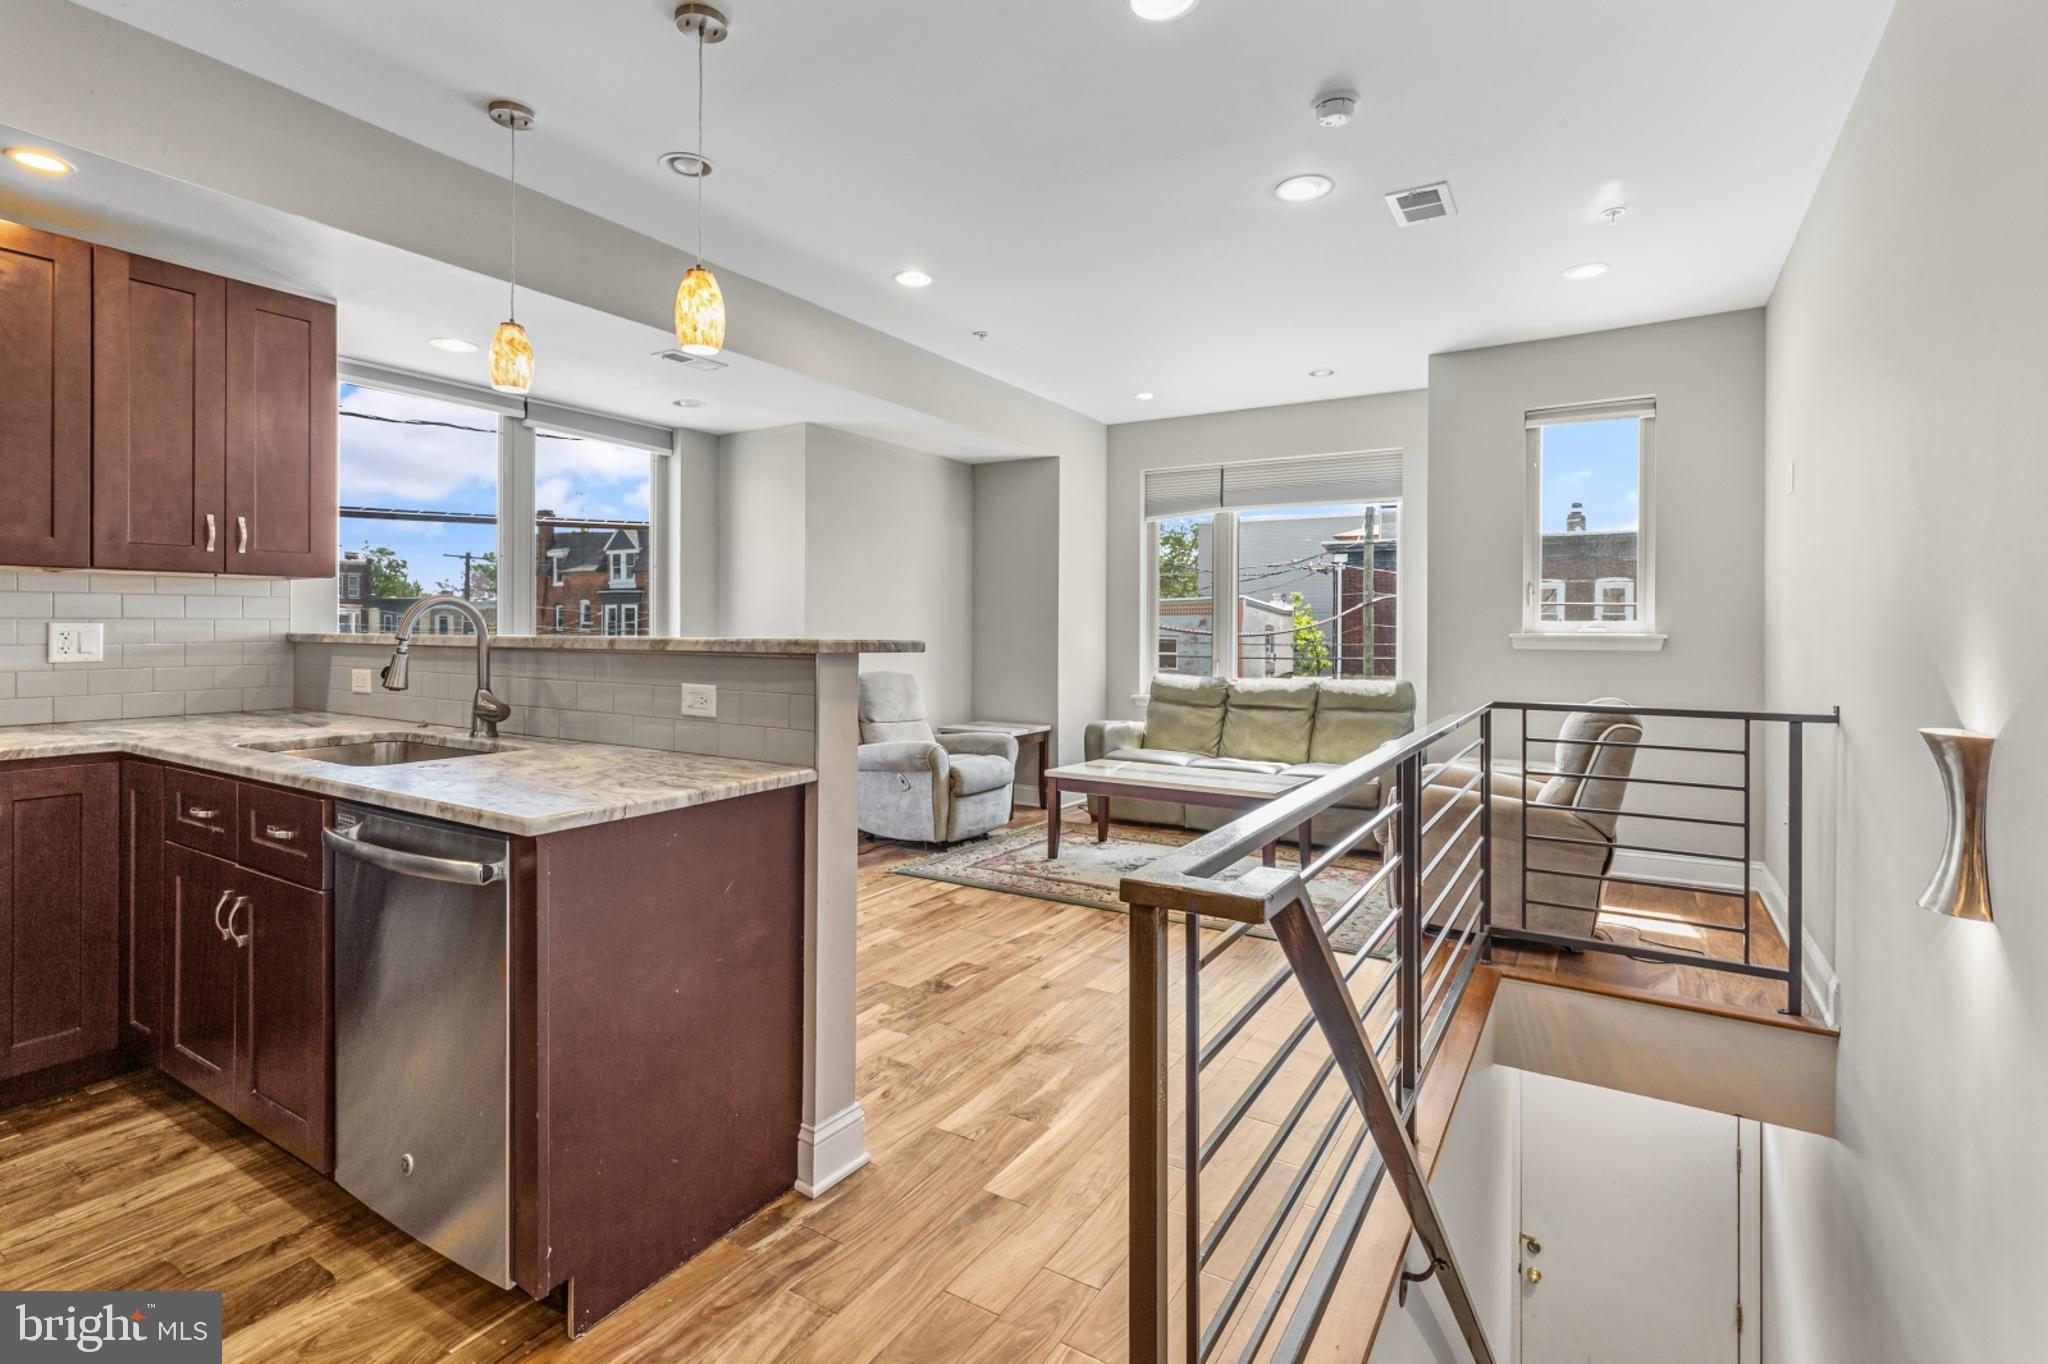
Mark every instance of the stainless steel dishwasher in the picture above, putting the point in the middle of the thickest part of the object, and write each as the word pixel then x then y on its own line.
pixel 422 1031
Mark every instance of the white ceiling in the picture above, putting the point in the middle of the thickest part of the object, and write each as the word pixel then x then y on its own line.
pixel 1093 189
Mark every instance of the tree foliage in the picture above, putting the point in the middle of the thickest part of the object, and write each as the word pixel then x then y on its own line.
pixel 1180 560
pixel 1311 645
pixel 390 575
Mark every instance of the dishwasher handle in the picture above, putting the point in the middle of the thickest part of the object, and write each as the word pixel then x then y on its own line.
pixel 349 843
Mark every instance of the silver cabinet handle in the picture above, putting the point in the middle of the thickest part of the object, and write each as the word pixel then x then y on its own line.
pixel 241 903
pixel 219 905
pixel 348 843
pixel 196 812
pixel 242 535
pixel 278 833
pixel 209 532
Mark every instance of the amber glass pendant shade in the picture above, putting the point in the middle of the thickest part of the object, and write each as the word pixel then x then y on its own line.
pixel 700 313
pixel 511 359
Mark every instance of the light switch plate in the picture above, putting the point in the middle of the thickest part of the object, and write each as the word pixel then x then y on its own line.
pixel 359 681
pixel 700 702
pixel 77 643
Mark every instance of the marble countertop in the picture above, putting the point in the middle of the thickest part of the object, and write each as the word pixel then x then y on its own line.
pixel 527 787
pixel 638 644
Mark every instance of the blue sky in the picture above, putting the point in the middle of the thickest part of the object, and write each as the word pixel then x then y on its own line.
pixel 1593 463
pixel 436 468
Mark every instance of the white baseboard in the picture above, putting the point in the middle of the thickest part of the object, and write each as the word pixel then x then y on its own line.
pixel 827 1152
pixel 1820 988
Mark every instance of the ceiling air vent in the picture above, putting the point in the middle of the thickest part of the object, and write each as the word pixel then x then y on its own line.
pixel 699 362
pixel 1422 203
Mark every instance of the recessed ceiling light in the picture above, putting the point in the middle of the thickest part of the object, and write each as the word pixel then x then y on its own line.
pixel 1142 397
pixel 1161 9
pixel 453 343
pixel 1321 373
pixel 1591 269
pixel 913 279
pixel 39 161
pixel 689 165
pixel 1300 189
pixel 689 402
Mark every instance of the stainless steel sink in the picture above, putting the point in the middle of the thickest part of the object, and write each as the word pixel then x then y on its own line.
pixel 376 750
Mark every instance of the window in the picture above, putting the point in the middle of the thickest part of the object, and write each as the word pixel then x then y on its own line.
pixel 1169 655
pixel 419 499
pixel 387 620
pixel 1589 571
pixel 583 616
pixel 1184 587
pixel 558 618
pixel 593 517
pixel 622 567
pixel 554 558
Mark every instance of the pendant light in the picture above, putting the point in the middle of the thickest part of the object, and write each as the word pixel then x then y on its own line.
pixel 511 352
pixel 700 306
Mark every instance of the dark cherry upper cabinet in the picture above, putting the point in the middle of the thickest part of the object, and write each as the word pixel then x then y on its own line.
pixel 159 454
pixel 280 434
pixel 142 920
pixel 59 915
pixel 45 399
pixel 286 1079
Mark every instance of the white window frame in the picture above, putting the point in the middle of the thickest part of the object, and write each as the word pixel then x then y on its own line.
pixel 555 557
pixel 629 618
pixel 621 567
pixel 583 616
pixel 558 618
pixel 1543 607
pixel 1540 633
pixel 353 584
pixel 1601 606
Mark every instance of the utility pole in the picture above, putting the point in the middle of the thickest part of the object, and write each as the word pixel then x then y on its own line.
pixel 465 556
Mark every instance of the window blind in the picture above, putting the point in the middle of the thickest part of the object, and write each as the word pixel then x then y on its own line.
pixel 1592 412
pixel 1355 476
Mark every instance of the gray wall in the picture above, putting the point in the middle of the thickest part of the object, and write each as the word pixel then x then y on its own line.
pixel 1383 421
pixel 1707 376
pixel 176 644
pixel 1905 498
pixel 761 543
pixel 1016 592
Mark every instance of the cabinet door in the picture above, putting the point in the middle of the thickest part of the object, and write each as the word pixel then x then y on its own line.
pixel 45 398
pixel 59 919
pixel 286 1085
pixel 159 409
pixel 142 920
pixel 203 973
pixel 281 415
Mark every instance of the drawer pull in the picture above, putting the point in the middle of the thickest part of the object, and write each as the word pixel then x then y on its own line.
pixel 278 833
pixel 196 812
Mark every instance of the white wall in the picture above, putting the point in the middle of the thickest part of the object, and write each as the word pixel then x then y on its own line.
pixel 1908 339
pixel 1382 421
pixel 1707 376
pixel 1016 590
pixel 891 555
pixel 761 532
pixel 690 489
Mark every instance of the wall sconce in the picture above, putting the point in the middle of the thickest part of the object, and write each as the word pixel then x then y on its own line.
pixel 1961 886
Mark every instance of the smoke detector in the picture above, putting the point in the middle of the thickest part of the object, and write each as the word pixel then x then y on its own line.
pixel 1334 108
pixel 1419 205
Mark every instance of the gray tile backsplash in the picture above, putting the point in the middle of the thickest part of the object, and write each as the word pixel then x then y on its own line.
pixel 765 704
pixel 176 644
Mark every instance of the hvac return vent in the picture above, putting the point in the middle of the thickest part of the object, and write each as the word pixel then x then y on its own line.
pixel 699 362
pixel 1419 205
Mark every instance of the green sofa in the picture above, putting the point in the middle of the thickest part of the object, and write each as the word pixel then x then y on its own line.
pixel 1297 728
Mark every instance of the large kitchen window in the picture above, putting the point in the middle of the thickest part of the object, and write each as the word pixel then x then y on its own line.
pixel 434 478
pixel 1278 568
pixel 1588 569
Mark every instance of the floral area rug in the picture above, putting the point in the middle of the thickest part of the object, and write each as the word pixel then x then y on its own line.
pixel 1087 873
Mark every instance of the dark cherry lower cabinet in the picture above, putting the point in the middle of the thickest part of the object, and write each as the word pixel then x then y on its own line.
pixel 248 1016
pixel 59 916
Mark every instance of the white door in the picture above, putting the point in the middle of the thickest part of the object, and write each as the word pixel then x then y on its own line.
pixel 1633 1220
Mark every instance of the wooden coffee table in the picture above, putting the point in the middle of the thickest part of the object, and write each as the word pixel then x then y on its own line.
pixel 1163 782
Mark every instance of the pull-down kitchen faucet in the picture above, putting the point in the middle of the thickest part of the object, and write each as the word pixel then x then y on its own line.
pixel 485 710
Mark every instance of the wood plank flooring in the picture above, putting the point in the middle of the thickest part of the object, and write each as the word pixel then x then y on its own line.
pixel 990 1225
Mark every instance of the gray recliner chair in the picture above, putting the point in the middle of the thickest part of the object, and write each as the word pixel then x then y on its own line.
pixel 922 786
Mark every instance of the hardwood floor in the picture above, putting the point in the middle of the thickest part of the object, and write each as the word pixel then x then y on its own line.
pixel 990 1225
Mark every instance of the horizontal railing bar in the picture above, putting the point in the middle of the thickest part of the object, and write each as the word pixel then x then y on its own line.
pixel 1228 936
pixel 1450 802
pixel 1295 1261
pixel 1315 1297
pixel 1732 892
pixel 1641 781
pixel 1443 1021
pixel 1533 938
pixel 1347 842
pixel 1445 979
pixel 1444 933
pixel 1670 819
pixel 1634 847
pixel 1624 743
pixel 1451 841
pixel 1670 713
pixel 1451 882
pixel 1265 992
pixel 1460 755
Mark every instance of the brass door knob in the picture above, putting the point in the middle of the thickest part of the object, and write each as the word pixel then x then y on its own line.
pixel 1533 1274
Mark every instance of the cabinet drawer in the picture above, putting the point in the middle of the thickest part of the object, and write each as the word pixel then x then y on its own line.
pixel 199 811
pixel 278 833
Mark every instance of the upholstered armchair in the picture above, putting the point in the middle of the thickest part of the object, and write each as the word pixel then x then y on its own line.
pixel 1578 798
pixel 922 786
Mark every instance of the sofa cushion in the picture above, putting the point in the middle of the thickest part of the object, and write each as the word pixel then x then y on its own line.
pixel 1268 769
pixel 974 773
pixel 1268 719
pixel 1185 714
pixel 1366 797
pixel 1353 717
pixel 1151 755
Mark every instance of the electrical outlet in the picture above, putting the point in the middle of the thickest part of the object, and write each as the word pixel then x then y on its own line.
pixel 359 681
pixel 80 643
pixel 700 702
